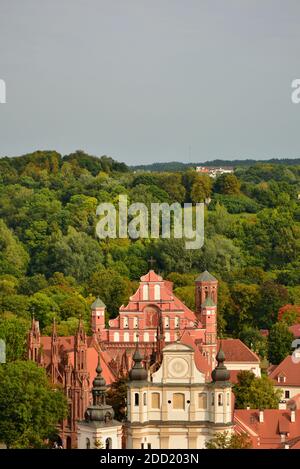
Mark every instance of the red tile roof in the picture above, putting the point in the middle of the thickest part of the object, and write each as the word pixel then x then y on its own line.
pixel 236 351
pixel 290 370
pixel 295 330
pixel 266 434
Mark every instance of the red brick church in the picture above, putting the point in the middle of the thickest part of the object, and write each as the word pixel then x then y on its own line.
pixel 153 316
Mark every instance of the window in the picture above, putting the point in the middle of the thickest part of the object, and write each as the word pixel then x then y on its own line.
pixel 136 337
pixel 136 399
pixel 220 399
pixel 287 394
pixel 146 337
pixel 145 292
pixel 142 445
pixel 155 400
pixel 125 323
pixel 167 337
pixel 108 443
pixel 126 336
pixel 157 292
pixel 149 445
pixel 202 400
pixel 145 399
pixel 212 399
pixel 87 443
pixel 228 398
pixel 116 337
pixel 178 401
pixel 177 320
pixel 135 323
pixel 167 322
pixel 281 379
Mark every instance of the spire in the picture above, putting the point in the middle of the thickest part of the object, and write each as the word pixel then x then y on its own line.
pixel 99 385
pixel 99 411
pixel 54 331
pixel 137 372
pixel 220 374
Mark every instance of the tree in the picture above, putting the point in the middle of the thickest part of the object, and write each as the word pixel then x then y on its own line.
pixel 113 289
pixel 252 337
pixel 76 254
pixel 227 184
pixel 13 257
pixel 225 440
pixel 43 307
pixel 116 397
pixel 258 393
pixel 280 342
pixel 272 297
pixel 201 188
pixel 13 331
pixel 30 408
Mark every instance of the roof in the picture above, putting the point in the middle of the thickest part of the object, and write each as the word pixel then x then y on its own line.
pixel 267 434
pixel 290 370
pixel 206 277
pixel 236 351
pixel 98 304
pixel 295 330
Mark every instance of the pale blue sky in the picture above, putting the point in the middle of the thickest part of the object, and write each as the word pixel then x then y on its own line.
pixel 142 80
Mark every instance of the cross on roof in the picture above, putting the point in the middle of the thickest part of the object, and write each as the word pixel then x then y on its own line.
pixel 151 261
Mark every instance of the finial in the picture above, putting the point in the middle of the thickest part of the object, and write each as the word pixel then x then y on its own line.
pixel 151 261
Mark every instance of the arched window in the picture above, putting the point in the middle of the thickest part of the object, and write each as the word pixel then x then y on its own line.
pixel 212 399
pixel 136 337
pixel 87 443
pixel 146 337
pixel 135 323
pixel 155 400
pixel 108 443
pixel 202 400
pixel 167 337
pixel 145 398
pixel 157 292
pixel 116 337
pixel 167 322
pixel 220 399
pixel 228 398
pixel 136 399
pixel 177 321
pixel 145 292
pixel 125 322
pixel 126 336
pixel 178 401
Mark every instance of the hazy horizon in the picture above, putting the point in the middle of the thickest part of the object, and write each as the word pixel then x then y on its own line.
pixel 147 82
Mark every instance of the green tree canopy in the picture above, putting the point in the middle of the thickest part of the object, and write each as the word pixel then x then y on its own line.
pixel 30 408
pixel 258 393
pixel 280 342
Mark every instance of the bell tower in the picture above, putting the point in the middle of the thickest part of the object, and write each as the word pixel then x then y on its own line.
pixel 206 285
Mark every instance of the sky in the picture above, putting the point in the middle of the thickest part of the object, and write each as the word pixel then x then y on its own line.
pixel 150 81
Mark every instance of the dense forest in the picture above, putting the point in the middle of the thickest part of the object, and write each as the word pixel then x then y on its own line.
pixel 53 265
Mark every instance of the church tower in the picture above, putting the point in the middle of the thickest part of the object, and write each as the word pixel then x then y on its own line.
pixel 99 429
pixel 206 295
pixel 54 372
pixel 80 381
pixel 34 341
pixel 206 285
pixel 98 316
pixel 221 395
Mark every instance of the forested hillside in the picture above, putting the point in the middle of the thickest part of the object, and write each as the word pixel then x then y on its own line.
pixel 53 265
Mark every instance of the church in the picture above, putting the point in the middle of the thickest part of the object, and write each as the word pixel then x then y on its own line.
pixel 155 319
